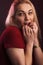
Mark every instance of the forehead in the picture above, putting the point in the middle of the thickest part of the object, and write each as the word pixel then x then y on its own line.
pixel 24 7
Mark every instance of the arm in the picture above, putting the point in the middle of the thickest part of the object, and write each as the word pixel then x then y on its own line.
pixel 16 56
pixel 29 37
pixel 38 54
pixel 28 55
pixel 14 45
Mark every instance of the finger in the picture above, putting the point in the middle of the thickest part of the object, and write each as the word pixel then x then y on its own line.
pixel 24 31
pixel 35 28
pixel 29 30
pixel 30 24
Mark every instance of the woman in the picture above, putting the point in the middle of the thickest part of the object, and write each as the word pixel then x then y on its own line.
pixel 22 26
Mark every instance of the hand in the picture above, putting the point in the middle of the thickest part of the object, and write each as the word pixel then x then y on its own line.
pixel 28 34
pixel 34 27
pixel 35 30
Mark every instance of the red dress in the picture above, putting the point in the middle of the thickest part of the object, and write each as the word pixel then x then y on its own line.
pixel 11 38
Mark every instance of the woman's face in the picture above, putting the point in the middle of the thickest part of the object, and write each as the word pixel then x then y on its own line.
pixel 24 13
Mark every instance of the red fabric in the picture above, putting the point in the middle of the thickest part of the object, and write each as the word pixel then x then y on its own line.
pixel 11 38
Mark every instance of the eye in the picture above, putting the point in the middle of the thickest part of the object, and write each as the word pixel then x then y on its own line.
pixel 20 14
pixel 30 12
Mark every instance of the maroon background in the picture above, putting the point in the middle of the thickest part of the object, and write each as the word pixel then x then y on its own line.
pixel 5 5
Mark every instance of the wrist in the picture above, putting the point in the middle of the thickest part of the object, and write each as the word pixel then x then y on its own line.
pixel 29 46
pixel 35 46
pixel 36 43
pixel 29 49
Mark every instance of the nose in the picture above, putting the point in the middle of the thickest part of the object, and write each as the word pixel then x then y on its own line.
pixel 27 19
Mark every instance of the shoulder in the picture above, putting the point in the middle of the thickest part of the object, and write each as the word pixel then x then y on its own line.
pixel 10 30
pixel 12 37
pixel 13 31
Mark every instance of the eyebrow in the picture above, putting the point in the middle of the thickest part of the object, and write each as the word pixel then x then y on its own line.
pixel 20 11
pixel 30 10
pixel 23 11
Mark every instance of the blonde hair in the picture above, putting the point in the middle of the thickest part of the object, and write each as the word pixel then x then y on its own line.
pixel 11 13
pixel 10 22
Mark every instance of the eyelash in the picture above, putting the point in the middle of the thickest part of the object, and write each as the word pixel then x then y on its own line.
pixel 29 13
pixel 20 14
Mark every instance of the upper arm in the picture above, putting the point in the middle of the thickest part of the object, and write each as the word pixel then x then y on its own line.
pixel 16 56
pixel 13 39
pixel 14 45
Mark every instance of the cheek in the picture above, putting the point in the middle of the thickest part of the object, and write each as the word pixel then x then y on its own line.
pixel 20 19
pixel 32 18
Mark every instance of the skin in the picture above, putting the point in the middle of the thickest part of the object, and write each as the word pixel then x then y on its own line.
pixel 24 17
pixel 24 14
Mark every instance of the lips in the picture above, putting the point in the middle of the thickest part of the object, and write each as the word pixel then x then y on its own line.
pixel 27 23
pixel 30 24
